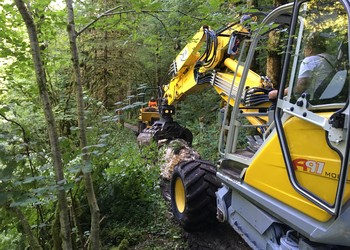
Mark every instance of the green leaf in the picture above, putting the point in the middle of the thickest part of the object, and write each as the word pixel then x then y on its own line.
pixel 215 3
pixel 4 197
pixel 4 109
pixel 24 202
pixel 28 180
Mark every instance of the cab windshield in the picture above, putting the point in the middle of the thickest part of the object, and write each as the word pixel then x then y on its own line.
pixel 320 54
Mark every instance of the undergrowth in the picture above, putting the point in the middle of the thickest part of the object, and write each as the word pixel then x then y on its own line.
pixel 135 215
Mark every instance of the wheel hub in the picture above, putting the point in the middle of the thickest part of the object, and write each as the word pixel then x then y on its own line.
pixel 180 198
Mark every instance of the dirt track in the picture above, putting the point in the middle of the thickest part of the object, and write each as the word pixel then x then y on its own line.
pixel 219 237
pixel 133 128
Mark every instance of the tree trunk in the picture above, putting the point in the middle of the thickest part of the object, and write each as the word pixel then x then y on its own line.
pixel 51 123
pixel 274 59
pixel 55 229
pixel 105 71
pixel 33 241
pixel 93 205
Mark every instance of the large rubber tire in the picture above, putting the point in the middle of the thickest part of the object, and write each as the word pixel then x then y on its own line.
pixel 192 190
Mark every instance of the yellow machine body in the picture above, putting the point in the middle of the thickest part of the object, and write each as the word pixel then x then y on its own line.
pixel 184 80
pixel 149 115
pixel 316 172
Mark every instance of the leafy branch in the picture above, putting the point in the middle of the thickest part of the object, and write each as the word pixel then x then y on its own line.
pixel 98 18
pixel 25 140
pixel 149 12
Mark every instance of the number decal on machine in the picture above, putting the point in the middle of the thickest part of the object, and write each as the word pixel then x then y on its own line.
pixel 315 167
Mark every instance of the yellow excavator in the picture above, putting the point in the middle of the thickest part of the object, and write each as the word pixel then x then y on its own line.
pixel 290 187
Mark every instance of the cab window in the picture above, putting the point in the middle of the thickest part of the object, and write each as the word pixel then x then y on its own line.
pixel 321 54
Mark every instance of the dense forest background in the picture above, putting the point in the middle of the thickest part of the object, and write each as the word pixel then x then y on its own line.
pixel 125 52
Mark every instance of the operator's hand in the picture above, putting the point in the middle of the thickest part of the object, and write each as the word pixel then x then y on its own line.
pixel 273 94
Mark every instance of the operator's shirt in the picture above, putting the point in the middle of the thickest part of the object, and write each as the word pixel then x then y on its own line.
pixel 317 68
pixel 152 104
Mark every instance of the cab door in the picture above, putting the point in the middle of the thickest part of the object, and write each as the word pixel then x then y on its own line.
pixel 312 121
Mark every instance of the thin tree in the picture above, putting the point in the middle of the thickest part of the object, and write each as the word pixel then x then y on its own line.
pixel 51 123
pixel 89 187
pixel 274 59
pixel 33 241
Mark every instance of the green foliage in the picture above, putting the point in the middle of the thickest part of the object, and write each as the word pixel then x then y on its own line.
pixel 201 118
pixel 132 174
pixel 129 194
pixel 119 52
pixel 139 42
pixel 26 175
pixel 9 237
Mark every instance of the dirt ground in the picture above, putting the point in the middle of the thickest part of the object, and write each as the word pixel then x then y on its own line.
pixel 219 237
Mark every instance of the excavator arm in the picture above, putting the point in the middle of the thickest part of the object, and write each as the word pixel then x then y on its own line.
pixel 209 59
pixel 192 69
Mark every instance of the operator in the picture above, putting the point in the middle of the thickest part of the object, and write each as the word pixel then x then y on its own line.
pixel 152 103
pixel 314 69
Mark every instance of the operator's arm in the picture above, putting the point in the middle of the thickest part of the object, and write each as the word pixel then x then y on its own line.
pixel 273 93
pixel 306 70
pixel 302 85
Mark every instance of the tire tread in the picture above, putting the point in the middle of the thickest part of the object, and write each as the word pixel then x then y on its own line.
pixel 199 179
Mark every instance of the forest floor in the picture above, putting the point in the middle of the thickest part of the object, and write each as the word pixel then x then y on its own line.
pixel 220 236
pixel 133 128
